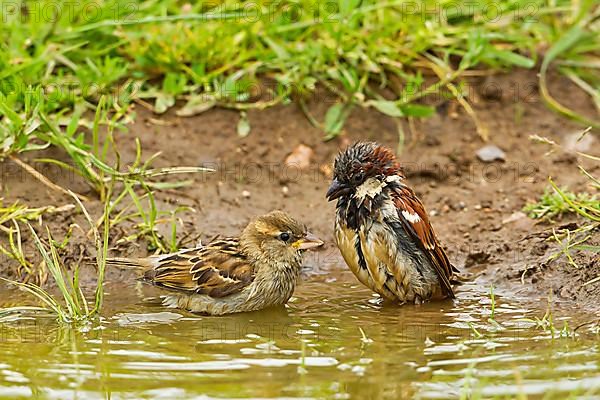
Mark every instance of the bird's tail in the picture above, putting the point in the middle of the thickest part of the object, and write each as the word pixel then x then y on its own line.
pixel 143 264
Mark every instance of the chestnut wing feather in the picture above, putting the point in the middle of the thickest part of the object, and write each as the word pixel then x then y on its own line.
pixel 409 208
pixel 217 270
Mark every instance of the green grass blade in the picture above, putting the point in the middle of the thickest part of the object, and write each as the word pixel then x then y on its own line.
pixel 566 42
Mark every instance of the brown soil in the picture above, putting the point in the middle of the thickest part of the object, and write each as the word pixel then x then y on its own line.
pixel 473 204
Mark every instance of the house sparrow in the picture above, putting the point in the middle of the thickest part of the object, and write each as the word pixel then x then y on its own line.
pixel 382 229
pixel 257 270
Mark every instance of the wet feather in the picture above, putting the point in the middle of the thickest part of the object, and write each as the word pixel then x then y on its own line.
pixel 396 252
pixel 256 270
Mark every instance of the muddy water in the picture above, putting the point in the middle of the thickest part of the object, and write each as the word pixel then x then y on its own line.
pixel 314 348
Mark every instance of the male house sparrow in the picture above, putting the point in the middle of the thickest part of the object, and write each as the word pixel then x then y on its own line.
pixel 382 229
pixel 257 270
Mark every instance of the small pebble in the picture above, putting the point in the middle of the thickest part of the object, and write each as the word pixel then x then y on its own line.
pixel 246 194
pixel 490 153
pixel 300 157
pixel 514 217
pixel 285 191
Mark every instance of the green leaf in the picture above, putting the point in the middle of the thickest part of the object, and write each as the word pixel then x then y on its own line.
pixel 10 114
pixel 243 126
pixel 21 141
pixel 197 105
pixel 388 108
pixel 163 102
pixel 563 44
pixel 347 6
pixel 418 110
pixel 335 119
pixel 279 50
pixel 174 84
pixel 392 109
pixel 74 122
pixel 476 44
pixel 513 58
pixel 169 185
pixel 587 247
pixel 31 125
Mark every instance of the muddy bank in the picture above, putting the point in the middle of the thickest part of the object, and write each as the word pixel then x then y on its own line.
pixel 474 206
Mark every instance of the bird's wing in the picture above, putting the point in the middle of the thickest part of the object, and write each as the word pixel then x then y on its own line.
pixel 217 270
pixel 416 223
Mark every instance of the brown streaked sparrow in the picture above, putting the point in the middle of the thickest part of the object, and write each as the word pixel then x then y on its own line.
pixel 382 229
pixel 257 270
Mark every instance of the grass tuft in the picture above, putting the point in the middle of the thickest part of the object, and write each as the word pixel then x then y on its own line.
pixel 11 218
pixel 557 202
pixel 387 55
pixel 74 307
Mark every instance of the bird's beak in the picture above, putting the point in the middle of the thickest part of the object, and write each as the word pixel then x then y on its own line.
pixel 307 242
pixel 336 190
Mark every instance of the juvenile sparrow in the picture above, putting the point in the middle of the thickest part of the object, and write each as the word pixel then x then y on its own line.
pixel 382 229
pixel 257 270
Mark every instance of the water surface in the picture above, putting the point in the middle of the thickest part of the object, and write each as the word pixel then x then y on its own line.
pixel 334 340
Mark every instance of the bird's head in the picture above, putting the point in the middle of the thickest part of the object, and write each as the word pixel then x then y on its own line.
pixel 277 238
pixel 362 169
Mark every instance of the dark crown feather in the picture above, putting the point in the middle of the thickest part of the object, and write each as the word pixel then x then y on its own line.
pixel 369 157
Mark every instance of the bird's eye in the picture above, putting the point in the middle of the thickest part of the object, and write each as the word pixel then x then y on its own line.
pixel 284 236
pixel 358 177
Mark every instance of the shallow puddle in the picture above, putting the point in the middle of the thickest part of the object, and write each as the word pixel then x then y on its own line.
pixel 334 340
